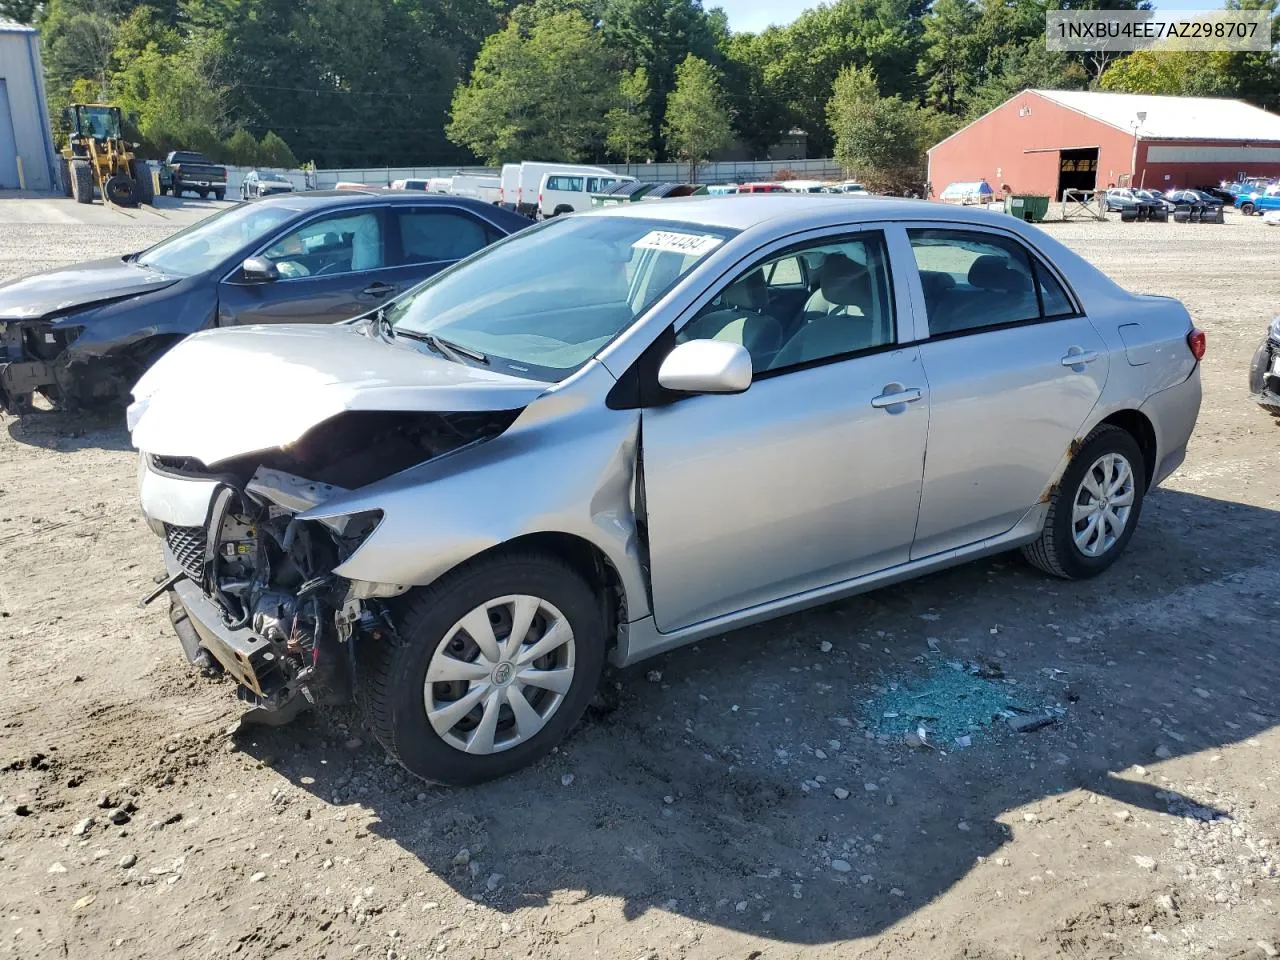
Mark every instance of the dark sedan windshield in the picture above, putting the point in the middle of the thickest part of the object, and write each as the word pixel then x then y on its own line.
pixel 206 244
pixel 546 300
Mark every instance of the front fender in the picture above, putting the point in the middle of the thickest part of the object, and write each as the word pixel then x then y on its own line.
pixel 113 328
pixel 567 465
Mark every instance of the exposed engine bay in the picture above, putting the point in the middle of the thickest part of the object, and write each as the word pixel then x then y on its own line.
pixel 289 621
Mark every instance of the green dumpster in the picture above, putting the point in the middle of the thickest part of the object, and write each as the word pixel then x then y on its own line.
pixel 1026 206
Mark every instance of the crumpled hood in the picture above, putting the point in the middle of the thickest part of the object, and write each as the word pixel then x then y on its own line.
pixel 229 392
pixel 81 285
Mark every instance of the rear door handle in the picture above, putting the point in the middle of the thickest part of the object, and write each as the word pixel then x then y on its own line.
pixel 896 398
pixel 1076 357
pixel 378 289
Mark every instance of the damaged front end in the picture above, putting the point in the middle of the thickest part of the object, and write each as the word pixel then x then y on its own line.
pixel 1264 372
pixel 33 359
pixel 253 592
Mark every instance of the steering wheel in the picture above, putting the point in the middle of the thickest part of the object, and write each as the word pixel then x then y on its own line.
pixel 330 267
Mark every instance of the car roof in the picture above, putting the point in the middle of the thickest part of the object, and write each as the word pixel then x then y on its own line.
pixel 799 210
pixel 322 199
pixel 316 200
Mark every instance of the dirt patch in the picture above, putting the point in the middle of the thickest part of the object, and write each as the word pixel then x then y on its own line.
pixel 744 802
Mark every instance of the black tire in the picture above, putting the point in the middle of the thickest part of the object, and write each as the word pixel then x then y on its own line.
pixel 1246 208
pixel 1056 552
pixel 146 185
pixel 122 189
pixel 220 194
pixel 393 674
pixel 82 181
pixel 66 177
pixel 561 209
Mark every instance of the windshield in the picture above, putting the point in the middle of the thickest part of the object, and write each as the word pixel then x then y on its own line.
pixel 546 300
pixel 100 123
pixel 206 244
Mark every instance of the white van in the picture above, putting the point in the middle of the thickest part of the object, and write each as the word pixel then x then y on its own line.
pixel 409 185
pixel 531 174
pixel 564 192
pixel 440 185
pixel 509 184
pixel 476 187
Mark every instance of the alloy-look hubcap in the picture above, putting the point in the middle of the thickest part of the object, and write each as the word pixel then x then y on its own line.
pixel 499 674
pixel 1102 505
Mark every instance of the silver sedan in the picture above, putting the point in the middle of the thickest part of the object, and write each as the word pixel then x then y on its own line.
pixel 618 432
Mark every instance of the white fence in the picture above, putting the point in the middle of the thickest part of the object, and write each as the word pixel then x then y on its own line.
pixel 742 171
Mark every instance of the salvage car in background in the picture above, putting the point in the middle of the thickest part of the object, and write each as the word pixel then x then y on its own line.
pixel 618 432
pixel 83 334
pixel 1264 372
pixel 264 183
pixel 1259 201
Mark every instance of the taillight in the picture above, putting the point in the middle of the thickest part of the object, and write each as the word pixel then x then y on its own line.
pixel 539 198
pixel 1196 341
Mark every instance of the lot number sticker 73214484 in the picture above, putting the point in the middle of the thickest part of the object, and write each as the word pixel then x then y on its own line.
pixel 669 241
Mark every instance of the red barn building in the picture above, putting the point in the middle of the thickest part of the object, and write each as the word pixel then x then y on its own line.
pixel 1047 141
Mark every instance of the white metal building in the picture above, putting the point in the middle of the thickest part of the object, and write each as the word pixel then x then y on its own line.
pixel 27 158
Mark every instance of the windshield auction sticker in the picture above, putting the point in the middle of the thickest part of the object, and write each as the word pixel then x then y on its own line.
pixel 1121 30
pixel 669 241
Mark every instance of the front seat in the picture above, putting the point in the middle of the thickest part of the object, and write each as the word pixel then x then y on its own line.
pixel 741 318
pixel 838 318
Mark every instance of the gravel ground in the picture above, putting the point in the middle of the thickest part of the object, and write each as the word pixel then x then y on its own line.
pixel 746 799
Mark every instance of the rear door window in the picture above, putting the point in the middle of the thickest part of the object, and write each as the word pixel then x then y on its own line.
pixel 432 236
pixel 973 280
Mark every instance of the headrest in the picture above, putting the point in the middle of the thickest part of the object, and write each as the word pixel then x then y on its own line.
pixel 844 282
pixel 993 272
pixel 747 293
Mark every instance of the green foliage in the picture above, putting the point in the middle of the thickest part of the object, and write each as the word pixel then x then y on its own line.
pixel 536 91
pixel 401 82
pixel 274 152
pixel 881 139
pixel 241 149
pixel 697 123
pixel 1176 73
pixel 630 122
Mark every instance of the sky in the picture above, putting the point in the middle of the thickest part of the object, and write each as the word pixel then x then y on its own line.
pixel 755 15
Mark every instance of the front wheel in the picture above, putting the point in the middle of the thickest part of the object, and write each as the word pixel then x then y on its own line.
pixel 1246 208
pixel 1094 509
pixel 493 665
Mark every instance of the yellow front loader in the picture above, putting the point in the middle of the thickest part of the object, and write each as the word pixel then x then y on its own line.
pixel 97 156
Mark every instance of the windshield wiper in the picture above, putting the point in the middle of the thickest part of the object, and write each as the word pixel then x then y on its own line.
pixel 446 348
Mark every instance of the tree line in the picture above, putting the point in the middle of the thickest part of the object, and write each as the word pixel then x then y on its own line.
pixel 442 82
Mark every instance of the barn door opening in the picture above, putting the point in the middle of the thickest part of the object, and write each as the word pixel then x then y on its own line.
pixel 1077 170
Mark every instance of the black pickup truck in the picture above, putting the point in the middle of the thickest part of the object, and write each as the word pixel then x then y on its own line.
pixel 185 171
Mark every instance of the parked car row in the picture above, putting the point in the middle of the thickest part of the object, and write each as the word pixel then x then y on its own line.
pixel 1119 199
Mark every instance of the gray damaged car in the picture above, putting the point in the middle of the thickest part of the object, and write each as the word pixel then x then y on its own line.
pixel 613 434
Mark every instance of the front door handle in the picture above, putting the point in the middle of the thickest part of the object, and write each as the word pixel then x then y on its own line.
pixel 895 395
pixel 1075 357
pixel 378 289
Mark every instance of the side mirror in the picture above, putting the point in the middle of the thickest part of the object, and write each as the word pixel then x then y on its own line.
pixel 259 270
pixel 706 366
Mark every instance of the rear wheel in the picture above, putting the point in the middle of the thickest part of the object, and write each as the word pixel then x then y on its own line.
pixel 1095 508
pixel 82 181
pixel 66 177
pixel 493 666
pixel 220 194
